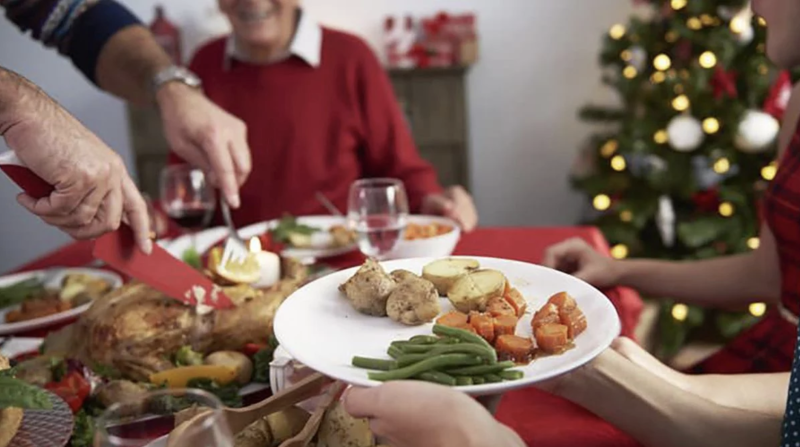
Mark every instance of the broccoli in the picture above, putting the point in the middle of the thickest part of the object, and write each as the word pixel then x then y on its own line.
pixel 188 357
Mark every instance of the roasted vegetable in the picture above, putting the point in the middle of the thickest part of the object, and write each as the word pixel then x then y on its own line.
pixel 188 357
pixel 339 429
pixel 119 391
pixel 474 290
pixel 444 272
pixel 236 360
pixel 369 289
pixel 413 302
pixel 180 377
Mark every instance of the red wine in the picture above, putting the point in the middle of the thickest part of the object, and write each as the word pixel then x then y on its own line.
pixel 192 218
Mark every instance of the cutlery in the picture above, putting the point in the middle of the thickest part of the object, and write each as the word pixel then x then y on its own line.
pixel 235 247
pixel 328 205
pixel 239 418
pixel 159 270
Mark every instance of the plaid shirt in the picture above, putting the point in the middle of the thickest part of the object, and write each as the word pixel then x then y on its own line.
pixel 769 345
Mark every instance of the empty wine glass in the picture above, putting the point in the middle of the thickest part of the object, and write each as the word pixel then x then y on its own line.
pixel 377 211
pixel 147 421
pixel 187 197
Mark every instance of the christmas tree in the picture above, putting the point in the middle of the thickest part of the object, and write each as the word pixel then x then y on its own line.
pixel 676 170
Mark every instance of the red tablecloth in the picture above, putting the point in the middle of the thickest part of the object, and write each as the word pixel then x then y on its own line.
pixel 541 419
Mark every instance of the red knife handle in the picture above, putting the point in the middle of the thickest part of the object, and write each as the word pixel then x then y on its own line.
pixel 32 184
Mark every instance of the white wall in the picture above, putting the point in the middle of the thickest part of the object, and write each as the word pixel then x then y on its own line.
pixel 538 66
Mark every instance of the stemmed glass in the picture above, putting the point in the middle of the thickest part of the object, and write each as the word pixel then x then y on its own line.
pixel 377 210
pixel 145 421
pixel 187 197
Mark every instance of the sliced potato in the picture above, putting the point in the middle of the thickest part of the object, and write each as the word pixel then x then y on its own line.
pixel 339 429
pixel 236 360
pixel 286 423
pixel 474 290
pixel 444 272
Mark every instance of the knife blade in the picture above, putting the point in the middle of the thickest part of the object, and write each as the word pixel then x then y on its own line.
pixel 159 269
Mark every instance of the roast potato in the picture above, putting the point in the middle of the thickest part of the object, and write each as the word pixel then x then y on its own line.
pixel 472 291
pixel 120 391
pixel 369 289
pixel 444 272
pixel 236 360
pixel 413 302
pixel 401 275
pixel 339 429
pixel 273 429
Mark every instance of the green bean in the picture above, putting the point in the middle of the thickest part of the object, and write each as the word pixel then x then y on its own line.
pixel 438 377
pixel 461 334
pixel 448 341
pixel 478 380
pixel 379 364
pixel 463 381
pixel 411 348
pixel 429 364
pixel 512 374
pixel 395 352
pixel 493 378
pixel 482 369
pixel 488 354
pixel 409 359
pixel 423 339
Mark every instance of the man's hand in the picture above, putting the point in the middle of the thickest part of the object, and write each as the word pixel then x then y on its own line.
pixel 92 189
pixel 455 203
pixel 206 136
pixel 578 258
pixel 412 414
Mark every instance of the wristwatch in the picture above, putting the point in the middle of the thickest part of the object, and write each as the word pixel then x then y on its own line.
pixel 174 73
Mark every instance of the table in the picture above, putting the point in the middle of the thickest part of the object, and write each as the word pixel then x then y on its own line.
pixel 541 419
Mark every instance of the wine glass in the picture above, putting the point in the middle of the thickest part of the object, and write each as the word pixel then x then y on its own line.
pixel 377 210
pixel 146 421
pixel 187 197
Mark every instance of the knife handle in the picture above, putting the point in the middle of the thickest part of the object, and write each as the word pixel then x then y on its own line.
pixel 32 184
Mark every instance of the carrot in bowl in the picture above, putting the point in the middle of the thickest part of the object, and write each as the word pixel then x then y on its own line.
pixel 505 325
pixel 483 324
pixel 564 301
pixel 516 300
pixel 548 314
pixel 574 320
pixel 453 319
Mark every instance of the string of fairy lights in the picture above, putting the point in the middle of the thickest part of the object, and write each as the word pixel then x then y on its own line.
pixel 663 66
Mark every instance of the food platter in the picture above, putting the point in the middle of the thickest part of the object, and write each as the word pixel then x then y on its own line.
pixel 51 279
pixel 322 330
pixel 45 428
pixel 206 239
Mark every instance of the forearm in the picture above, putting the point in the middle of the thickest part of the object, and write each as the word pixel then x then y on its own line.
pixel 17 99
pixel 658 414
pixel 730 279
pixel 128 63
pixel 765 393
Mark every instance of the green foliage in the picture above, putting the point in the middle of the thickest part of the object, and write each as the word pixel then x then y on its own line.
pixel 653 168
pixel 188 357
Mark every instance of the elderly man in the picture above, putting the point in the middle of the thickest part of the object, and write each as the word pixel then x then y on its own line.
pixel 93 191
pixel 320 111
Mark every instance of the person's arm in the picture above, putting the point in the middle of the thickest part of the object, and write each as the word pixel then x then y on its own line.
pixel 737 279
pixel 390 150
pixel 659 414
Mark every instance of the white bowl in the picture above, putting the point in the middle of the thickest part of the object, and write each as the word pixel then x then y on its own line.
pixel 437 246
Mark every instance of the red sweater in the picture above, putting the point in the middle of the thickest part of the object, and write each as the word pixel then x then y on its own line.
pixel 314 129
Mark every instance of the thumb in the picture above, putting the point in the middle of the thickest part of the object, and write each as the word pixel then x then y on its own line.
pixel 27 202
pixel 361 402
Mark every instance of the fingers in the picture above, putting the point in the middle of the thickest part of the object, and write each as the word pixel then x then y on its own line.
pixel 135 210
pixel 462 208
pixel 557 254
pixel 216 148
pixel 240 154
pixel 361 402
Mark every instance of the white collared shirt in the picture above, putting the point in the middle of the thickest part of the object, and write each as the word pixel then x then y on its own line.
pixel 306 43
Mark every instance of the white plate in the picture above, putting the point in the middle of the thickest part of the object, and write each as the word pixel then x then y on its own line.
pixel 319 327
pixel 208 238
pixel 54 280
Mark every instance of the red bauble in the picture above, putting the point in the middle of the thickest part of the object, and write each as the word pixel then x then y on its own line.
pixel 778 97
pixel 724 83
pixel 707 201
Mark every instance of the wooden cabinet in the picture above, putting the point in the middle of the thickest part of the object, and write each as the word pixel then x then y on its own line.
pixel 434 101
pixel 435 104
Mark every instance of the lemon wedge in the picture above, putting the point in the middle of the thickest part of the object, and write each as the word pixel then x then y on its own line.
pixel 247 271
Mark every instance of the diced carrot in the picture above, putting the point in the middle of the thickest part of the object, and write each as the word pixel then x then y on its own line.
pixel 517 301
pixel 512 347
pixel 466 327
pixel 552 338
pixel 507 289
pixel 563 301
pixel 499 306
pixel 574 320
pixel 548 314
pixel 505 325
pixel 483 324
pixel 453 319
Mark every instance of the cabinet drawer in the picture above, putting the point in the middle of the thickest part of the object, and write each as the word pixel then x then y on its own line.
pixel 437 110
